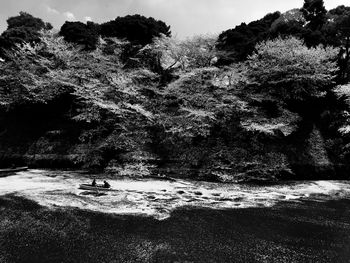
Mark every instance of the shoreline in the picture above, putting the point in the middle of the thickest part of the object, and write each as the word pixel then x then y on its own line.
pixel 170 176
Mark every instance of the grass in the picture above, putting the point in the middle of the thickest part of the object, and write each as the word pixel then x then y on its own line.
pixel 302 232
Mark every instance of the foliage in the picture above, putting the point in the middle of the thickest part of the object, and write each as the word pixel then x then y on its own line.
pixel 13 36
pixel 293 15
pixel 105 96
pixel 343 93
pixel 151 98
pixel 307 23
pixel 133 170
pixel 135 28
pixel 195 105
pixel 27 20
pixel 23 28
pixel 164 54
pixel 314 13
pixel 167 53
pixel 337 32
pixel 80 33
pixel 239 42
pixel 200 50
pixel 290 23
pixel 289 70
pixel 312 23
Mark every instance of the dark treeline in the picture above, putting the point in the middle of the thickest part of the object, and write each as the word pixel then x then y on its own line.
pixel 312 23
pixel 135 28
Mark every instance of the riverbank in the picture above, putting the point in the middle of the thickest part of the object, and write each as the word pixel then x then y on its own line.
pixel 306 231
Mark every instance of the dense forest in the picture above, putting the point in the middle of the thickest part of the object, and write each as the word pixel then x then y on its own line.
pixel 268 100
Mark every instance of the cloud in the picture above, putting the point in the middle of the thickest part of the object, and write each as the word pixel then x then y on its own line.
pixel 51 10
pixel 87 18
pixel 69 16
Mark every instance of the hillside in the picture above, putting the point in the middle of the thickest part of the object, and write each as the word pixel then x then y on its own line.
pixel 164 106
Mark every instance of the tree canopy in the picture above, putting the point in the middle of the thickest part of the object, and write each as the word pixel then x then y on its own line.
pixel 239 42
pixel 312 23
pixel 135 28
pixel 80 33
pixel 23 28
pixel 27 20
pixel 314 12
pixel 291 71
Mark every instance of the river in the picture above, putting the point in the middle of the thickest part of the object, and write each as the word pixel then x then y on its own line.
pixel 158 198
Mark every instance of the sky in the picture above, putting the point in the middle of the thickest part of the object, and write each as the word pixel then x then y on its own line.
pixel 186 17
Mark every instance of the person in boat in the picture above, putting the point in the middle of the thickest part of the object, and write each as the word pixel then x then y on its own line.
pixel 106 184
pixel 93 182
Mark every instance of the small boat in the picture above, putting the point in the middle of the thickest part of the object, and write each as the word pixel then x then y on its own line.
pixel 98 187
pixel 12 170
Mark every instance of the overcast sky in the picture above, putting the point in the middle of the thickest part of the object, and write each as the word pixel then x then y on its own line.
pixel 186 17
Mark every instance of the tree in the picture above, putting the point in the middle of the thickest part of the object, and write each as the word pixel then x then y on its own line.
pixel 80 33
pixel 290 23
pixel 314 13
pixel 168 53
pixel 106 100
pixel 289 70
pixel 200 50
pixel 236 44
pixel 306 23
pixel 22 28
pixel 335 29
pixel 163 54
pixel 27 20
pixel 337 33
pixel 135 28
pixel 11 37
pixel 344 34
